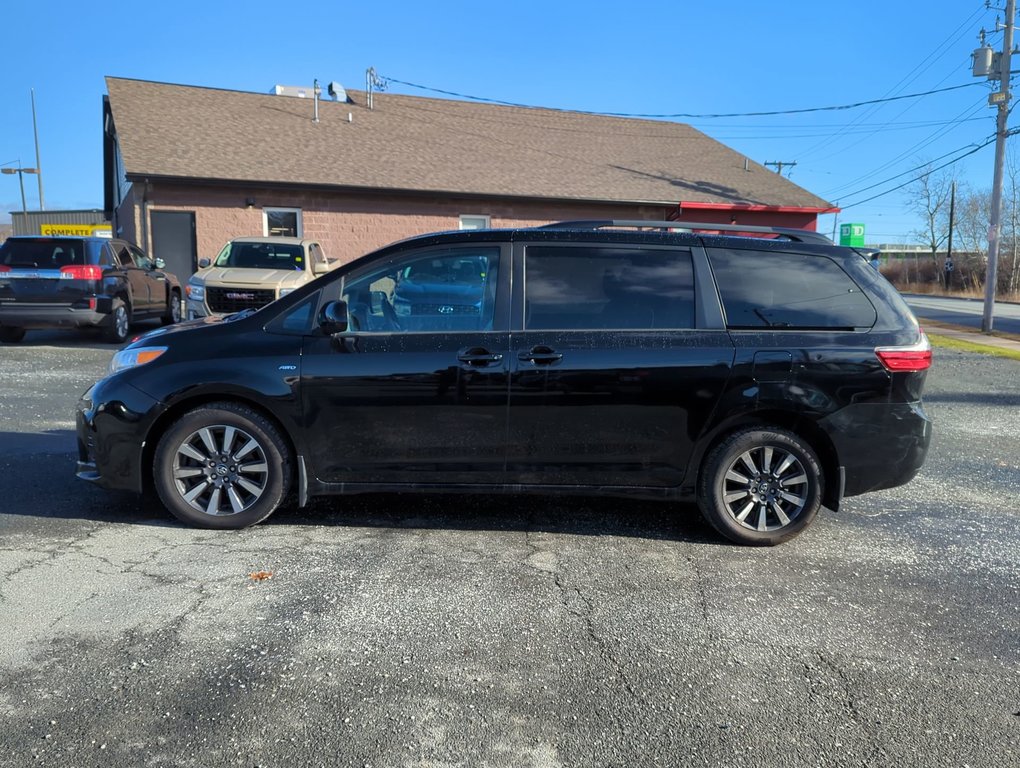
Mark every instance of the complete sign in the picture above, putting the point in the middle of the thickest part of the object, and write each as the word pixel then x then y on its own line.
pixel 76 230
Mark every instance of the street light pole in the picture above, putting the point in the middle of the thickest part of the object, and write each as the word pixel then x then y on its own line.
pixel 21 181
pixel 38 162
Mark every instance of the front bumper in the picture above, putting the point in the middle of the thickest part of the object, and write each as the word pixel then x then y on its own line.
pixel 112 421
pixel 195 309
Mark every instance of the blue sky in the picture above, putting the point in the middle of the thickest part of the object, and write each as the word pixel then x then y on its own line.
pixel 635 58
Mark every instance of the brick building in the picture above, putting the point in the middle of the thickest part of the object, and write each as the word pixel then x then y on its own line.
pixel 188 168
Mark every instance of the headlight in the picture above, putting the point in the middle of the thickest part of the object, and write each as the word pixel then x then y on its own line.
pixel 131 358
pixel 284 292
pixel 195 290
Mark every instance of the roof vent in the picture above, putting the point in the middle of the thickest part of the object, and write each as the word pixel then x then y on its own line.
pixel 337 91
pixel 300 91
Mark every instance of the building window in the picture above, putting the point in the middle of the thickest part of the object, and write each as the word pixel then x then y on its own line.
pixel 475 221
pixel 281 222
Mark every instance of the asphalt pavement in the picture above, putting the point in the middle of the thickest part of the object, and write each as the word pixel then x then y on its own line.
pixel 514 631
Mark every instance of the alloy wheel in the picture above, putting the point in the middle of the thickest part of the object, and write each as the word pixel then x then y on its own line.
pixel 220 470
pixel 765 488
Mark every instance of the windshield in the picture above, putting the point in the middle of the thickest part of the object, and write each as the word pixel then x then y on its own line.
pixel 262 256
pixel 48 252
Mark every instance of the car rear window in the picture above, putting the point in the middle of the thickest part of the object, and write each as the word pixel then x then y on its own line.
pixel 788 290
pixel 47 252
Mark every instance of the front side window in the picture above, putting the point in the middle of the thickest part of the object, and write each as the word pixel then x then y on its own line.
pixel 281 222
pixel 436 291
pixel 603 287
pixel 140 259
pixel 765 289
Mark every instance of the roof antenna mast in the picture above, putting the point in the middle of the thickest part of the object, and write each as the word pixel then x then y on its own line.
pixel 373 81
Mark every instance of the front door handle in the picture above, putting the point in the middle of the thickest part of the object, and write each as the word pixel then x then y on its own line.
pixel 540 355
pixel 478 357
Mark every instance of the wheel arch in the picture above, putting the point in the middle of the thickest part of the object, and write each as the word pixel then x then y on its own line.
pixel 180 407
pixel 804 428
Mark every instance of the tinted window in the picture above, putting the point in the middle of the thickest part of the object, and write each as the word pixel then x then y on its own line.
pixel 298 319
pixel 44 253
pixel 605 287
pixel 139 258
pixel 788 290
pixel 449 290
pixel 262 256
pixel 123 254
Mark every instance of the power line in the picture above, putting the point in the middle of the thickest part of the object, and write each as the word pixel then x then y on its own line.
pixel 685 115
pixel 941 49
pixel 911 181
pixel 918 168
pixel 913 149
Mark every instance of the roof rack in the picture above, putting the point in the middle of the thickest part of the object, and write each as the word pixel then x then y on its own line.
pixel 797 235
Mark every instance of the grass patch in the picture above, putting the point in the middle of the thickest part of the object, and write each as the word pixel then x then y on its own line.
pixel 945 342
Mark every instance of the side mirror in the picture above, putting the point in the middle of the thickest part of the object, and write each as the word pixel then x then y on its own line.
pixel 318 268
pixel 203 263
pixel 159 264
pixel 333 318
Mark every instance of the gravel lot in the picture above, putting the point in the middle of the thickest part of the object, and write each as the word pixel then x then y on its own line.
pixel 513 631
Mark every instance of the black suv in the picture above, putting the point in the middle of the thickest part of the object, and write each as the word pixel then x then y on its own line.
pixel 81 282
pixel 760 372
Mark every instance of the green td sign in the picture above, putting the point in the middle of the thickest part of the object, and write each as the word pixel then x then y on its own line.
pixel 851 234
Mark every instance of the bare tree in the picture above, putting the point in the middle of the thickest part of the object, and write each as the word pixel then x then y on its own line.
pixel 970 235
pixel 928 197
pixel 1011 221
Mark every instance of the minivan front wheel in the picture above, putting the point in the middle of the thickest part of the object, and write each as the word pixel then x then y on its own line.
pixel 760 486
pixel 222 465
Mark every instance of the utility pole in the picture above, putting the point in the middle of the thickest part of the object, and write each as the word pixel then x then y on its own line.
pixel 952 216
pixel 996 66
pixel 779 165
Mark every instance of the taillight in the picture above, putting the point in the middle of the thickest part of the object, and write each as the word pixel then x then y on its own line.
pixel 4 268
pixel 916 357
pixel 81 272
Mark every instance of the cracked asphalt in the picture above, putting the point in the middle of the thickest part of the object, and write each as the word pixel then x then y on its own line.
pixel 460 631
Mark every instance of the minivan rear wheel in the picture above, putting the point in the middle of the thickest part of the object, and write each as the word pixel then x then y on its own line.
pixel 760 486
pixel 222 465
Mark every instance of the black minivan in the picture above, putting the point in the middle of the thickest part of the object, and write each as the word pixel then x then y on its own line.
pixel 762 373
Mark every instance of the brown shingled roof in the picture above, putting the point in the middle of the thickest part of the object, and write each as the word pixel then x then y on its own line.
pixel 413 143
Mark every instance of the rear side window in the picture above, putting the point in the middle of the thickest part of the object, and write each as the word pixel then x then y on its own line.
pixel 788 290
pixel 602 287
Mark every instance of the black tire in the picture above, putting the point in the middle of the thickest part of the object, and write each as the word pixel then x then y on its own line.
pixel 11 334
pixel 760 486
pixel 119 323
pixel 173 309
pixel 222 466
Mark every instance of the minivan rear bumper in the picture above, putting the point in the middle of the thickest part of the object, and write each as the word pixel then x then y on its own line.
pixel 880 445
